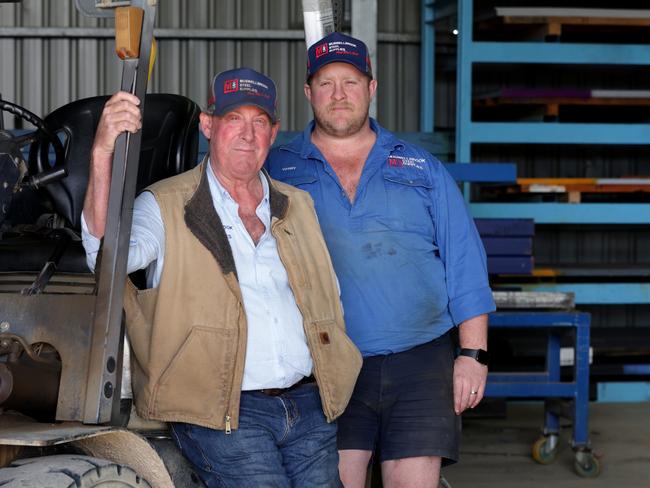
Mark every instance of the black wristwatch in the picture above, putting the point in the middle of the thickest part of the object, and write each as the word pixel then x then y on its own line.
pixel 481 355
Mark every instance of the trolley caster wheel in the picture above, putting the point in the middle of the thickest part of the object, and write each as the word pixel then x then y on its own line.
pixel 545 449
pixel 586 464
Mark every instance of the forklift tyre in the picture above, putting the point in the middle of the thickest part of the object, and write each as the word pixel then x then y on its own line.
pixel 69 471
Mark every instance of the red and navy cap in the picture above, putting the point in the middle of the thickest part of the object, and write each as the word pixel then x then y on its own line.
pixel 242 86
pixel 338 48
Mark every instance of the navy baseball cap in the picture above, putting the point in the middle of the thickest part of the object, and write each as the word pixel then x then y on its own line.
pixel 242 86
pixel 338 48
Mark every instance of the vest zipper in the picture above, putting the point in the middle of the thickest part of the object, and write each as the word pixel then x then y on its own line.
pixel 228 430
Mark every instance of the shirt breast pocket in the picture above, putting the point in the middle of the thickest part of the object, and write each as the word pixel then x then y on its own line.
pixel 409 206
pixel 300 181
pixel 299 175
pixel 408 177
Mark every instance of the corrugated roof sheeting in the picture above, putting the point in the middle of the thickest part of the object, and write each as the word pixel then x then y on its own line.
pixel 42 74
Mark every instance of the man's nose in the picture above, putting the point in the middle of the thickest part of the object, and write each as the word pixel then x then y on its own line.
pixel 339 92
pixel 247 132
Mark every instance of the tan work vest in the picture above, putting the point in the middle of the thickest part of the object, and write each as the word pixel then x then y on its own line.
pixel 188 335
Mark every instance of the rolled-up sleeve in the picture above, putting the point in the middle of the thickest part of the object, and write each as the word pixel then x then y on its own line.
pixel 147 242
pixel 462 252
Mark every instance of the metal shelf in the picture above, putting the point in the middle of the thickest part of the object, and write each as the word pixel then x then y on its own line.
pixel 566 213
pixel 555 133
pixel 597 293
pixel 472 52
pixel 559 53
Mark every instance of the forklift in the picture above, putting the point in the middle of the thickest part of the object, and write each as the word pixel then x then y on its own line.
pixel 62 419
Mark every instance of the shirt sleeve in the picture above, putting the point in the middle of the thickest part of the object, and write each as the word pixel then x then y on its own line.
pixel 147 242
pixel 461 249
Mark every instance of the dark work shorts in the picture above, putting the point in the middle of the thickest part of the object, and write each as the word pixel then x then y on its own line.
pixel 403 405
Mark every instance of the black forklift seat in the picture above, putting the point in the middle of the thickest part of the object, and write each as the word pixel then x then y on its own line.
pixel 169 146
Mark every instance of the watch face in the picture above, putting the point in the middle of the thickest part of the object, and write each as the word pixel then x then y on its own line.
pixel 482 356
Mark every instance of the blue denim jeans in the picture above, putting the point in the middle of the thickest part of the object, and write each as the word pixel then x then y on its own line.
pixel 281 442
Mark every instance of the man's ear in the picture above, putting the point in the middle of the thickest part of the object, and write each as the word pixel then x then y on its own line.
pixel 274 131
pixel 205 124
pixel 307 90
pixel 372 86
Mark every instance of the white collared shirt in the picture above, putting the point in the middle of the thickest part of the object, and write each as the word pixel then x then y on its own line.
pixel 277 355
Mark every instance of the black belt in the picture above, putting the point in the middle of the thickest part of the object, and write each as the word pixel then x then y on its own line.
pixel 281 391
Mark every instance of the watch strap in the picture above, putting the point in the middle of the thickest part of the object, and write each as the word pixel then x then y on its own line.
pixel 480 355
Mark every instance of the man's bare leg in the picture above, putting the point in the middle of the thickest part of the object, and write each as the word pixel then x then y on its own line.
pixel 353 467
pixel 416 472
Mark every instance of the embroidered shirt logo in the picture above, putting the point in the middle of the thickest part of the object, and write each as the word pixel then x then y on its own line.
pixel 406 161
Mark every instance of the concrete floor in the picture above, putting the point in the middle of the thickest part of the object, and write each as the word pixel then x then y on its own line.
pixel 496 452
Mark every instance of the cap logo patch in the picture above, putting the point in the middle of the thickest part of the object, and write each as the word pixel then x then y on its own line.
pixel 230 86
pixel 321 50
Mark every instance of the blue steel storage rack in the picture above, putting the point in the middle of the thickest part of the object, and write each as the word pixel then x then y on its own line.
pixel 469 132
pixel 548 384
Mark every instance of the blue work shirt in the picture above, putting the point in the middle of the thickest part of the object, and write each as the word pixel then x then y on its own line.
pixel 409 260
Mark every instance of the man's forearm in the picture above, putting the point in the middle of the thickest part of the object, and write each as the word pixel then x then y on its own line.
pixel 96 201
pixel 120 114
pixel 472 333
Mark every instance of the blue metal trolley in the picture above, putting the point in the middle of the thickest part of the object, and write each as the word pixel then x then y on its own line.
pixel 547 384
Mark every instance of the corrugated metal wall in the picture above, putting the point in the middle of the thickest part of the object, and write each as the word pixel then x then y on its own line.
pixel 43 73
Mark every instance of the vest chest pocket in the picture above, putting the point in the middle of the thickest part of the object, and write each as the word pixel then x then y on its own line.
pixel 198 380
pixel 291 255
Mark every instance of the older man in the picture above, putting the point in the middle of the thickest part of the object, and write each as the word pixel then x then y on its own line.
pixel 240 341
pixel 411 267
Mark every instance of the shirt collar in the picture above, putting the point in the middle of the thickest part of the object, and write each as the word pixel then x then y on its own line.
pixel 385 138
pixel 221 195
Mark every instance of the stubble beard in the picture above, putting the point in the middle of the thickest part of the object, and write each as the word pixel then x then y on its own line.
pixel 352 126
